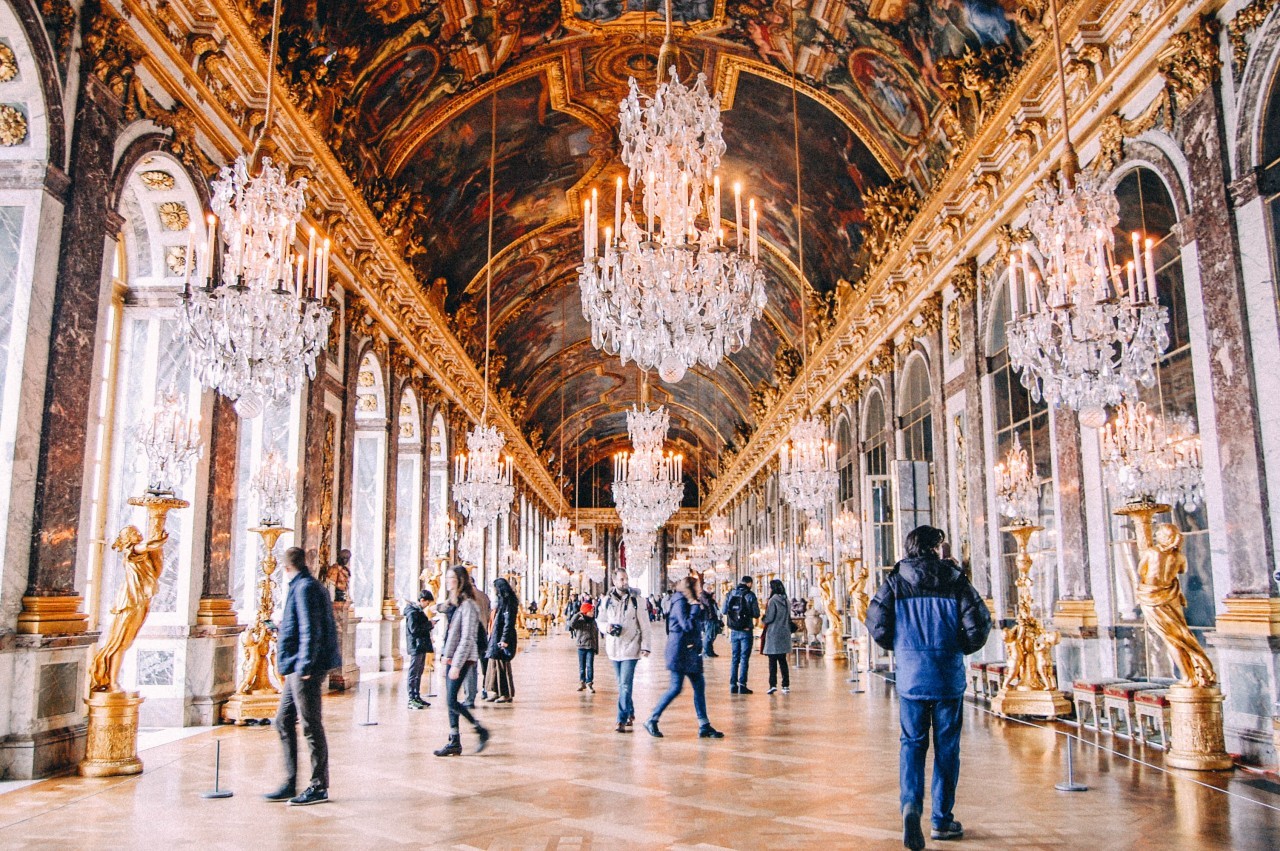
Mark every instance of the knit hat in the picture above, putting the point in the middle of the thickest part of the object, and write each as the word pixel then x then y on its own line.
pixel 588 609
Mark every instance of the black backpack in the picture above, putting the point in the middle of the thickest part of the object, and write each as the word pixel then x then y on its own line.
pixel 738 612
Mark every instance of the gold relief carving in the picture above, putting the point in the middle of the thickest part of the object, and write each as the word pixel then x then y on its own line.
pixel 1189 61
pixel 324 552
pixel 1246 21
pixel 59 18
pixel 111 743
pixel 13 126
pixel 953 328
pixel 930 316
pixel 113 52
pixel 174 215
pixel 962 478
pixel 157 181
pixel 889 211
pixel 1115 130
pixel 175 259
pixel 8 64
pixel 972 83
pixel 881 363
pixel 964 280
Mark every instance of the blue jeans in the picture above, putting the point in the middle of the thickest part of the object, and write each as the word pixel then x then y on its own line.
pixel 708 638
pixel 740 644
pixel 699 696
pixel 625 671
pixel 586 665
pixel 916 716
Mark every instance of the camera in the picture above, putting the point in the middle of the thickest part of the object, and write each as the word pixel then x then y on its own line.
pixel 615 629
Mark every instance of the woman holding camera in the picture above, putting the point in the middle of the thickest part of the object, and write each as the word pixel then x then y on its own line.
pixel 684 658
pixel 626 638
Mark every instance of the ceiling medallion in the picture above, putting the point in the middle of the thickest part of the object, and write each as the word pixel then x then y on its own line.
pixel 174 215
pixel 667 286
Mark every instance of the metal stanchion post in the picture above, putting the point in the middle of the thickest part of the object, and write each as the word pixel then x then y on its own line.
pixel 368 710
pixel 1070 784
pixel 218 791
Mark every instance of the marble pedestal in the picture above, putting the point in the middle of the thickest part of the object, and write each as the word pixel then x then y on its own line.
pixel 42 727
pixel 111 749
pixel 831 643
pixel 249 708
pixel 211 672
pixel 348 675
pixel 1196 741
pixel 389 658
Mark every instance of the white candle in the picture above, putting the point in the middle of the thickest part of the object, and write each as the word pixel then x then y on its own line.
pixel 297 270
pixel 1151 272
pixel 755 245
pixel 1137 265
pixel 608 239
pixel 311 257
pixel 737 212
pixel 1133 295
pixel 586 231
pixel 324 271
pixel 186 258
pixel 715 205
pixel 617 208
pixel 213 229
pixel 1013 287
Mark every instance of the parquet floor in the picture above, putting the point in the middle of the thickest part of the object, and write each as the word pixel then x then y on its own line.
pixel 813 769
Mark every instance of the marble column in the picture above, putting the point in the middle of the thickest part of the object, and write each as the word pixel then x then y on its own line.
pixel 394 373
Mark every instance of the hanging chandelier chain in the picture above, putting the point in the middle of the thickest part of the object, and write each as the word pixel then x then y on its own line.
pixel 1070 161
pixel 795 134
pixel 488 267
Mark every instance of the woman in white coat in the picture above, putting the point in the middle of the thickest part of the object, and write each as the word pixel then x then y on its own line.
pixel 625 627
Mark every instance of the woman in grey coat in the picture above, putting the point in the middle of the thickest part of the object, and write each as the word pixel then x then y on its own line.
pixel 776 641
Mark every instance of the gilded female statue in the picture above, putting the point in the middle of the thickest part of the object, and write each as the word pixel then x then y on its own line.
pixel 827 585
pixel 143 563
pixel 859 600
pixel 1163 605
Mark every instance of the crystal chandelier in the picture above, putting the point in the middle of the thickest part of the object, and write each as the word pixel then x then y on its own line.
pixel 483 479
pixel 719 539
pixel 1017 493
pixel 254 325
pixel 640 547
pixel 1149 460
pixel 669 292
pixel 563 542
pixel 440 535
pixel 171 442
pixel 814 545
pixel 512 562
pixel 648 485
pixel 1095 331
pixel 807 467
pixel 471 544
pixel 273 484
pixel 847 530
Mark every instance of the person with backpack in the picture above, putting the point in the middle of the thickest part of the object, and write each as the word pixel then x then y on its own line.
pixel 776 640
pixel 741 611
pixel 417 629
pixel 684 659
pixel 582 626
pixel 713 625
pixel 626 640
pixel 931 617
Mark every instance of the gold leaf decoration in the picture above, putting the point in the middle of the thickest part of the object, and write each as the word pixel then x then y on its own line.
pixel 8 64
pixel 13 126
pixel 174 215
pixel 175 259
pixel 157 181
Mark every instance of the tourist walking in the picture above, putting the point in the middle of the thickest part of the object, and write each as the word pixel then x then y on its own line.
pixel 775 642
pixel 583 627
pixel 930 616
pixel 460 655
pixel 499 679
pixel 307 649
pixel 626 634
pixel 684 659
pixel 741 610
pixel 477 675
pixel 712 626
pixel 417 630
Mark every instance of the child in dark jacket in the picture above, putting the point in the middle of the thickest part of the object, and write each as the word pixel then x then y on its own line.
pixel 582 626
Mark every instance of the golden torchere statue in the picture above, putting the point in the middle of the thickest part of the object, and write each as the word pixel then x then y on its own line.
pixel 1030 685
pixel 1164 605
pixel 258 689
pixel 835 623
pixel 859 598
pixel 111 747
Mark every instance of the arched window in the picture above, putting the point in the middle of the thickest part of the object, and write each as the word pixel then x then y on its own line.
pixel 878 484
pixel 409 498
pixel 1015 413
pixel 368 492
pixel 1269 179
pixel 916 411
pixel 1147 208
pixel 439 534
pixel 846 462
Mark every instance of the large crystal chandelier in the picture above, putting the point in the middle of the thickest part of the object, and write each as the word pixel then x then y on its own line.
pixel 1017 493
pixel 813 546
pixel 807 467
pixel 483 479
pixel 254 325
pixel 640 547
pixel 719 539
pixel 669 288
pixel 171 442
pixel 273 484
pixel 471 544
pixel 648 484
pixel 1094 332
pixel 1150 460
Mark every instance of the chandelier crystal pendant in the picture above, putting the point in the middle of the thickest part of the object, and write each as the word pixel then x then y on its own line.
pixel 256 321
pixel 668 287
pixel 1017 493
pixel 1093 332
pixel 648 484
pixel 807 468
pixel 1149 460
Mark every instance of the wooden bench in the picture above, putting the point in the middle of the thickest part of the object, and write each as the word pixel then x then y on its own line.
pixel 1090 709
pixel 995 678
pixel 1152 724
pixel 1118 700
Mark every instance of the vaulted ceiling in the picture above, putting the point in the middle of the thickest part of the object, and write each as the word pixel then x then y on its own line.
pixel 402 88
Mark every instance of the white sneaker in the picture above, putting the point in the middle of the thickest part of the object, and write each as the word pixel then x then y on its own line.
pixel 786 691
pixel 771 690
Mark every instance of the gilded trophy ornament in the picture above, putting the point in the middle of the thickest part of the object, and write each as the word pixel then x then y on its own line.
pixel 13 126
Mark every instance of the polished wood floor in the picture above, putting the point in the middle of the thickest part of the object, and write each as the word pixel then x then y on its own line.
pixel 817 768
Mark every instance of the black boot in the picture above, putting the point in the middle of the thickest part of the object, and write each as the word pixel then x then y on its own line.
pixel 483 735
pixel 453 748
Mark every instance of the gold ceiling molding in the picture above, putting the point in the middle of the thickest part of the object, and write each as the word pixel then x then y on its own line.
pixel 395 298
pixel 985 183
pixel 634 23
pixel 554 69
pixel 730 67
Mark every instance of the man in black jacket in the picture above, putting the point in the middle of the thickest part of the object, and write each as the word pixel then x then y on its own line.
pixel 307 650
pixel 741 611
pixel 417 628
pixel 930 616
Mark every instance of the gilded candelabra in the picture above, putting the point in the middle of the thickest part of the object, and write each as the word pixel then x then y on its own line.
pixel 258 690
pixel 831 638
pixel 1196 740
pixel 112 745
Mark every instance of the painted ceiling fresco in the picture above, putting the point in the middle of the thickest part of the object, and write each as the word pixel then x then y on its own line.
pixel 400 88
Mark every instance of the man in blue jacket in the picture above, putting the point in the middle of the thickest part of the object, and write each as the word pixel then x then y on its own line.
pixel 306 651
pixel 930 616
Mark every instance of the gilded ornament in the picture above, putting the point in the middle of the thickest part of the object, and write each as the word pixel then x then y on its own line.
pixel 8 63
pixel 157 181
pixel 953 328
pixel 175 259
pixel 1159 593
pixel 889 211
pixel 13 126
pixel 1246 21
pixel 1189 61
pixel 174 215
